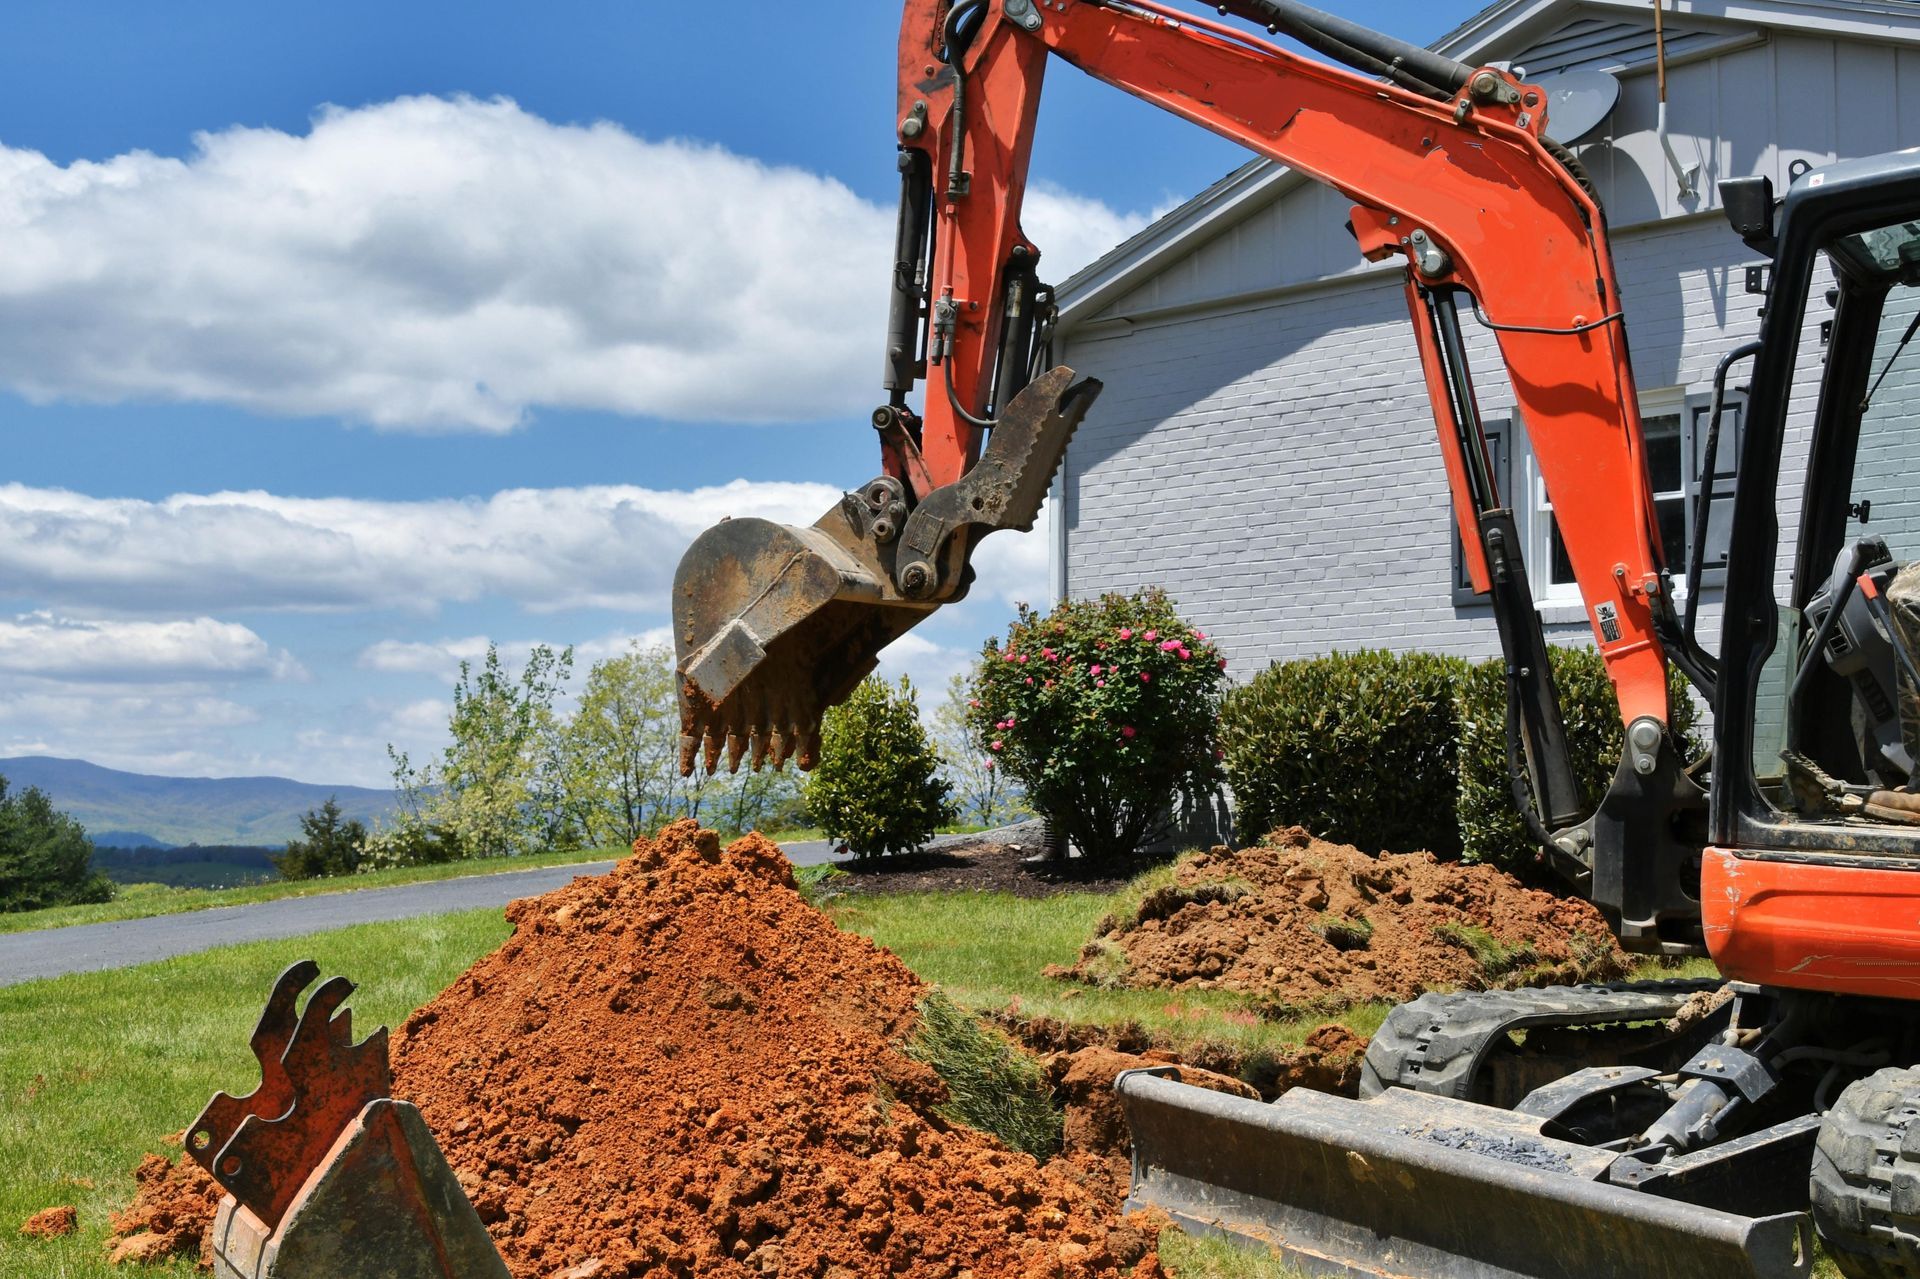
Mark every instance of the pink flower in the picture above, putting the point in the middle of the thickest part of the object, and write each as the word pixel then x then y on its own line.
pixel 1200 635
pixel 1168 646
pixel 1126 731
pixel 1185 655
pixel 1223 663
pixel 1099 683
pixel 1049 684
pixel 1050 655
pixel 989 766
pixel 1151 636
pixel 1022 659
pixel 1126 632
pixel 1146 677
pixel 998 744
pixel 1009 657
pixel 1095 672
pixel 1029 679
pixel 974 702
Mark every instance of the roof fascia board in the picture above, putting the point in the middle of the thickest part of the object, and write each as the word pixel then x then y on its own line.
pixel 1249 189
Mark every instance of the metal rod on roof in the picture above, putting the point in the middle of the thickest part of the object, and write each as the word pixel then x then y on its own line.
pixel 1681 172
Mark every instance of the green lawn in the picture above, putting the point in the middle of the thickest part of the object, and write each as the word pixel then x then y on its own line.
pixel 96 1068
pixel 139 901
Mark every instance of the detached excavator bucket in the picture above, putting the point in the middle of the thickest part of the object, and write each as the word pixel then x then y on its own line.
pixel 328 1177
pixel 1406 1184
pixel 773 624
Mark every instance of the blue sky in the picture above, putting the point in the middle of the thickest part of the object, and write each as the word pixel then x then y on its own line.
pixel 338 339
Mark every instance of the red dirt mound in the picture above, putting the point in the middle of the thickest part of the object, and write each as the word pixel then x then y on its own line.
pixel 171 1213
pixel 1307 923
pixel 51 1223
pixel 682 1068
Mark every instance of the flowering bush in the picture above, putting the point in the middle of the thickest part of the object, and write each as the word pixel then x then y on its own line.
pixel 1104 710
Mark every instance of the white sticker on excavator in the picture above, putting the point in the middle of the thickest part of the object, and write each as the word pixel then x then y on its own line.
pixel 1609 618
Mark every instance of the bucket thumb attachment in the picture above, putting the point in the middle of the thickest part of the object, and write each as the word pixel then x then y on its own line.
pixel 328 1177
pixel 1407 1184
pixel 773 624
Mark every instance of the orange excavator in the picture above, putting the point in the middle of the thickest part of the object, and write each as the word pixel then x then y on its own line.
pixel 1655 1129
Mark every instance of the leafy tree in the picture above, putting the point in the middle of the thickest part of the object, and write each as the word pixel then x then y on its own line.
pixel 622 747
pixel 986 794
pixel 1105 711
pixel 333 845
pixel 877 786
pixel 489 791
pixel 45 855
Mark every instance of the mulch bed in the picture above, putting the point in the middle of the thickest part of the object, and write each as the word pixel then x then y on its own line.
pixel 990 864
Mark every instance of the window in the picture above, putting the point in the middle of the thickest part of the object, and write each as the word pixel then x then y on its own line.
pixel 1497 429
pixel 1675 427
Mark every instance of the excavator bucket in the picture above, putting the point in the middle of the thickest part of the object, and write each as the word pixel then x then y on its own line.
pixel 328 1177
pixel 1407 1184
pixel 773 624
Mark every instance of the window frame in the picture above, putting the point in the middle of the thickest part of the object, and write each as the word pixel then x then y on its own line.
pixel 1694 410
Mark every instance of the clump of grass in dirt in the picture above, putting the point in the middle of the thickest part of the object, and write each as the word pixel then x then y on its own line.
pixel 819 884
pixel 1186 1256
pixel 1495 957
pixel 1343 933
pixel 991 1083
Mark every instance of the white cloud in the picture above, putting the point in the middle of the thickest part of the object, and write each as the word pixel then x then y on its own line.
pixel 443 657
pixel 433 263
pixel 603 547
pixel 545 549
pixel 49 647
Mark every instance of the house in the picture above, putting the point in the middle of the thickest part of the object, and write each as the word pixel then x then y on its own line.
pixel 1265 448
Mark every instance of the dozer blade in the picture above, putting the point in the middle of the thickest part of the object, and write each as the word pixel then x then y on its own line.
pixel 326 1176
pixel 1409 1185
pixel 773 624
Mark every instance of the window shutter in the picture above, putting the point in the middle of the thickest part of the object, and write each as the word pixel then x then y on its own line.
pixel 1719 517
pixel 1497 431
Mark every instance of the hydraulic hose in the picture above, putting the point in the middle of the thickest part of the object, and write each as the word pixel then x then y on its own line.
pixel 1360 47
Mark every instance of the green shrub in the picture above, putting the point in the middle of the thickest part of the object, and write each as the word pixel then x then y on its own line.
pixel 333 845
pixel 1356 747
pixel 1104 711
pixel 45 855
pixel 1490 827
pixel 992 1084
pixel 877 786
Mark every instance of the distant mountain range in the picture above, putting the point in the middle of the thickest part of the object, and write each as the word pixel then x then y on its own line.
pixel 131 809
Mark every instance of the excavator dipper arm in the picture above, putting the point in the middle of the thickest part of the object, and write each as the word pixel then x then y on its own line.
pixel 1455 178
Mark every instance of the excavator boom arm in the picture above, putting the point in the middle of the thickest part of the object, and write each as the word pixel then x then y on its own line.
pixel 1465 189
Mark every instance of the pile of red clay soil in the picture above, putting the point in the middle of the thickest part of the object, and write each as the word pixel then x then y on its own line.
pixel 1309 924
pixel 51 1223
pixel 171 1214
pixel 682 1068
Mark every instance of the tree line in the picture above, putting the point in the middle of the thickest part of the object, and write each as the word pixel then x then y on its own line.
pixel 520 773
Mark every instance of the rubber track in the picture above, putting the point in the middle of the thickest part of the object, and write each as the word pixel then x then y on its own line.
pixel 1866 1177
pixel 1435 1043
